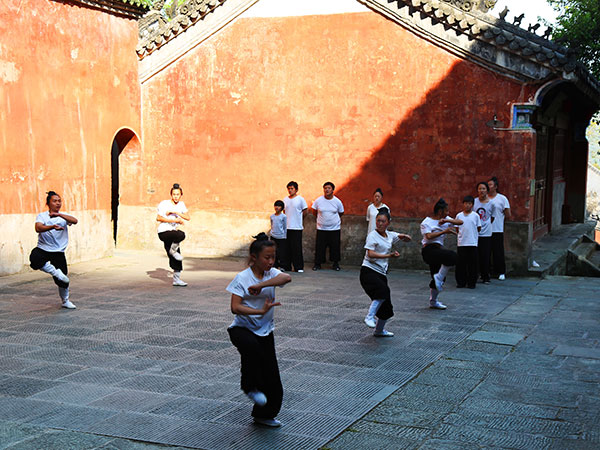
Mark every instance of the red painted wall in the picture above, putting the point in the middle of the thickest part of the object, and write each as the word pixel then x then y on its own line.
pixel 68 83
pixel 352 98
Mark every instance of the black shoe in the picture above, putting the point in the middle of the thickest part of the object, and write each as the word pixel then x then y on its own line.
pixel 317 267
pixel 336 267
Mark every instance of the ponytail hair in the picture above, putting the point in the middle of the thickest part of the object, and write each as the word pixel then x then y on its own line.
pixel 49 196
pixel 176 186
pixel 261 241
pixel 439 206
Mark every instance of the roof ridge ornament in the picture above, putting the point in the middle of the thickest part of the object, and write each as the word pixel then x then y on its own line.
pixel 472 5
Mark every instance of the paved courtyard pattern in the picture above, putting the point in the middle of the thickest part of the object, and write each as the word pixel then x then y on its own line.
pixel 509 365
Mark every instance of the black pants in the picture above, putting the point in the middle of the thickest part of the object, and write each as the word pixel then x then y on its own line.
pixel 259 369
pixel 280 252
pixel 376 287
pixel 326 239
pixel 38 258
pixel 169 237
pixel 466 267
pixel 435 255
pixel 498 263
pixel 484 248
pixel 293 251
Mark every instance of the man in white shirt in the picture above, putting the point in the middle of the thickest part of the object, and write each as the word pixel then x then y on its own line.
pixel 329 210
pixel 501 209
pixel 295 210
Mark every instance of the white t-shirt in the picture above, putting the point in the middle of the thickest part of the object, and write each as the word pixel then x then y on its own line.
pixel 262 325
pixel 372 212
pixel 379 244
pixel 500 204
pixel 168 206
pixel 328 213
pixel 430 225
pixel 293 211
pixel 485 211
pixel 278 226
pixel 468 234
pixel 53 240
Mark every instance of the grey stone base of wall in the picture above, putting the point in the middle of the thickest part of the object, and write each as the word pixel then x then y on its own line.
pixel 517 239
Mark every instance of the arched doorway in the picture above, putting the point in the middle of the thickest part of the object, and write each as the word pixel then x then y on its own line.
pixel 124 139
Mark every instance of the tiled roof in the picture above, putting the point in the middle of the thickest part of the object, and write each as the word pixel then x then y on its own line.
pixel 133 9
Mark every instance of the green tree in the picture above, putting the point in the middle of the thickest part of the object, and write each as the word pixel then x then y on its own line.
pixel 578 27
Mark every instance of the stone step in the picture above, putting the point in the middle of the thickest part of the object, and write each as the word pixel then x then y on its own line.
pixel 583 258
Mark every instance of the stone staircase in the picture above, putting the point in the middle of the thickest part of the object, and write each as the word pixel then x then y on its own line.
pixel 583 258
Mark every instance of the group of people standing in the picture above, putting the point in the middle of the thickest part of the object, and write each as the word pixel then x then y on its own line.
pixel 479 228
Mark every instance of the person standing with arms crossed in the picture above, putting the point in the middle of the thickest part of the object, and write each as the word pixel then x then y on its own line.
pixel 329 210
pixel 501 210
pixel 295 210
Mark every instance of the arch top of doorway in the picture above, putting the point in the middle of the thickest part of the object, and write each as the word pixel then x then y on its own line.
pixel 124 135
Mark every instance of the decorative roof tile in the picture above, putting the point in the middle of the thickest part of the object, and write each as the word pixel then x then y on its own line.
pixel 133 9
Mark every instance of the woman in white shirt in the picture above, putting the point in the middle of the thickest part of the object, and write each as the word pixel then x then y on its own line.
pixel 373 209
pixel 171 214
pixel 379 248
pixel 485 208
pixel 53 238
pixel 438 258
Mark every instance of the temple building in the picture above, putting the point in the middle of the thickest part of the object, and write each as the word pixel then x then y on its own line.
pixel 109 103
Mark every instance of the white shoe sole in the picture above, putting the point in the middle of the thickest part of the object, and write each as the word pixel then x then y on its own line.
pixel 370 323
pixel 68 305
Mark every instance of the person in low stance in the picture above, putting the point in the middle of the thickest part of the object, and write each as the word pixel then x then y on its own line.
pixel 251 332
pixel 53 238
pixel 379 249
pixel 171 214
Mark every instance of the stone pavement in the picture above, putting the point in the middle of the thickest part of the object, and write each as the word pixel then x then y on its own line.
pixel 143 365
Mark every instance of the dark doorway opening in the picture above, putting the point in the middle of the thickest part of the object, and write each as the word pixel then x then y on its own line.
pixel 120 141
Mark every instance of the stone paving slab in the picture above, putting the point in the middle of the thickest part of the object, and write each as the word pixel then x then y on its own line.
pixel 143 365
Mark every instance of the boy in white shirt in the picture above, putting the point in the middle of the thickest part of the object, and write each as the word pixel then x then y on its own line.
pixel 295 210
pixel 468 234
pixel 278 233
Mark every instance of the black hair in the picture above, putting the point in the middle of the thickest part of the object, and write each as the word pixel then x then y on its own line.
pixel 485 184
pixel 261 241
pixel 279 203
pixel 384 212
pixel 469 199
pixel 440 206
pixel 293 184
pixel 49 196
pixel 495 180
pixel 378 190
pixel 176 186
pixel 330 184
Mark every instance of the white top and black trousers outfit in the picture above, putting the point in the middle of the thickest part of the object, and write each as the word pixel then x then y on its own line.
pixel 51 246
pixel 498 261
pixel 373 271
pixel 468 236
pixel 484 243
pixel 168 232
pixel 293 251
pixel 372 212
pixel 433 252
pixel 329 224
pixel 278 235
pixel 253 337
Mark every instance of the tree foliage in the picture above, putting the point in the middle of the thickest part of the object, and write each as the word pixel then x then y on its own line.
pixel 578 27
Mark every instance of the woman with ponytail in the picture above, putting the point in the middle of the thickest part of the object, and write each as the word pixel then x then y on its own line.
pixel 171 214
pixel 53 238
pixel 438 258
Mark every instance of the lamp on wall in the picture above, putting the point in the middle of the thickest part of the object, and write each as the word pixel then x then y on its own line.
pixel 522 117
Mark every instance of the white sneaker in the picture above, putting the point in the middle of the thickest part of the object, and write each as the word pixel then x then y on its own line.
pixel 370 322
pixel 384 333
pixel 179 282
pixel 174 252
pixel 67 304
pixel 439 283
pixel 257 397
pixel 502 277
pixel 267 422
pixel 299 271
pixel 437 305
